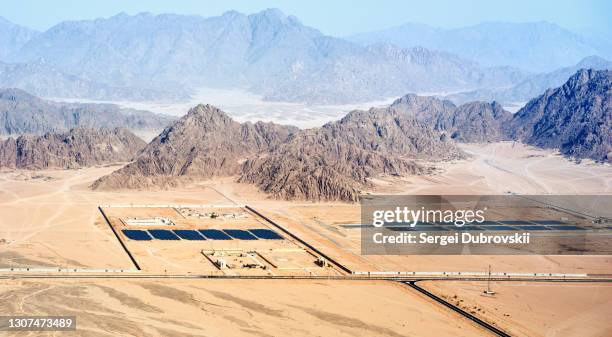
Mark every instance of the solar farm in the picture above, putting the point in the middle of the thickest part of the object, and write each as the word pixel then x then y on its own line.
pixel 215 240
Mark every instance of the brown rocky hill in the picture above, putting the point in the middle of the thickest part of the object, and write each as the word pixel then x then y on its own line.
pixel 474 122
pixel 336 161
pixel 203 144
pixel 77 148
pixel 575 118
pixel 329 163
pixel 21 112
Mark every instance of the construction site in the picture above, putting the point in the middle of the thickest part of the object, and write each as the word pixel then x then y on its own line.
pixel 212 240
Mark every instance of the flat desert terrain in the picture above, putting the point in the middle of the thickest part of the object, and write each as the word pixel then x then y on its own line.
pixel 234 308
pixel 535 309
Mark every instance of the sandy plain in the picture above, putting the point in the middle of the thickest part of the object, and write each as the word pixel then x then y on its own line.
pixel 234 308
pixel 50 219
pixel 535 309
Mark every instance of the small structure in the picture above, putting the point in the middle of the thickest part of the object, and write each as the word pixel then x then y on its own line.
pixel 155 221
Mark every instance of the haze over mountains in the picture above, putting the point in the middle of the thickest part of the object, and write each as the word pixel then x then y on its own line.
pixel 534 46
pixel 147 56
pixel 533 85
pixel 21 112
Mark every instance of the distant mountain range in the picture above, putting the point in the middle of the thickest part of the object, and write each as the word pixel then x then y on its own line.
pixel 76 148
pixel 21 112
pixel 268 53
pixel 534 46
pixel 533 85
pixel 338 160
pixel 44 80
pixel 13 37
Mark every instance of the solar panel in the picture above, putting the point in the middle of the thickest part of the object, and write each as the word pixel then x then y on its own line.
pixel 163 234
pixel 267 234
pixel 214 234
pixel 240 234
pixel 137 235
pixel 548 222
pixel 533 228
pixel 187 234
pixel 499 228
pixel 514 222
pixel 467 228
pixel 568 228
pixel 488 223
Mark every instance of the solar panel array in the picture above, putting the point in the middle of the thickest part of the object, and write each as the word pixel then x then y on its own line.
pixel 215 234
pixel 487 225
pixel 240 234
pixel 188 234
pixel 163 234
pixel 266 234
pixel 137 235
pixel 201 234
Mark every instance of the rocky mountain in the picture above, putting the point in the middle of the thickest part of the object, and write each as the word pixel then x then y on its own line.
pixel 269 53
pixel 76 148
pixel 533 85
pixel 337 160
pixel 203 144
pixel 46 81
pixel 13 37
pixel 534 46
pixel 474 122
pixel 575 118
pixel 21 112
pixel 329 163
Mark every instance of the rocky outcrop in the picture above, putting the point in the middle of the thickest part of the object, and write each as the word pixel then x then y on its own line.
pixel 333 162
pixel 475 122
pixel 203 144
pixel 21 112
pixel 336 161
pixel 575 118
pixel 79 147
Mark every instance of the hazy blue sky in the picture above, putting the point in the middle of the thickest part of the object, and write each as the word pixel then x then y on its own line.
pixel 335 17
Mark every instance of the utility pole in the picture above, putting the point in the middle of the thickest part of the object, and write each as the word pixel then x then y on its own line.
pixel 489 291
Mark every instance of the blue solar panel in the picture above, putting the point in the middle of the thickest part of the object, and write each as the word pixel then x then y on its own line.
pixel 267 234
pixel 533 228
pixel 514 222
pixel 568 228
pixel 187 234
pixel 548 222
pixel 240 234
pixel 500 228
pixel 488 222
pixel 214 234
pixel 163 234
pixel 468 228
pixel 137 235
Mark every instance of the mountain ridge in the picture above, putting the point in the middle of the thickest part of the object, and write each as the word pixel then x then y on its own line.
pixel 22 112
pixel 79 147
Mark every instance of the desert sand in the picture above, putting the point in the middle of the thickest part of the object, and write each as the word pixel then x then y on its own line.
pixel 50 219
pixel 234 308
pixel 535 308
